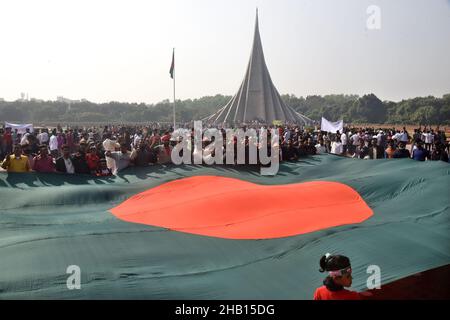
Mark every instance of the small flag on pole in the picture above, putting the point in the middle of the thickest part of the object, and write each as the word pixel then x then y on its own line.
pixel 172 67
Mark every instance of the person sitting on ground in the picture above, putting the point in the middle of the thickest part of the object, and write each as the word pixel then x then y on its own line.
pixel 420 154
pixel 120 159
pixel 64 164
pixel 339 277
pixel 43 162
pixel 16 162
pixel 103 170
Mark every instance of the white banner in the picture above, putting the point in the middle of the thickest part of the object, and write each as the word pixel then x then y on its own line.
pixel 332 127
pixel 21 128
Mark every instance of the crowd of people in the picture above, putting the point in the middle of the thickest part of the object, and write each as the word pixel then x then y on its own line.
pixel 368 143
pixel 110 149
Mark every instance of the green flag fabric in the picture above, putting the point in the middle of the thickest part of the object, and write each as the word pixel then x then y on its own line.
pixel 49 222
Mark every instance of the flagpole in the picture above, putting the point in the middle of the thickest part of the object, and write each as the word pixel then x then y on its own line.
pixel 174 100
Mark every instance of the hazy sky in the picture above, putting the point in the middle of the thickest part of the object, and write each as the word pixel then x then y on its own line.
pixel 121 50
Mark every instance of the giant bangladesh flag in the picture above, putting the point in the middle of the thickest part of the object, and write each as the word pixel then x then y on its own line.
pixel 199 232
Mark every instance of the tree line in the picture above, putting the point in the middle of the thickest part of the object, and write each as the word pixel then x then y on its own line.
pixel 351 108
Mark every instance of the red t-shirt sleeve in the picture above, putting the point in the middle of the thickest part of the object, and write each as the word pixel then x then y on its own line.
pixel 323 293
pixel 317 295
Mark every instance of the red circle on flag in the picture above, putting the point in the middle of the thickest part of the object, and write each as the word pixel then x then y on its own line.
pixel 235 209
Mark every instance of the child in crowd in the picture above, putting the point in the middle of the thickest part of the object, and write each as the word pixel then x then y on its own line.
pixel 339 277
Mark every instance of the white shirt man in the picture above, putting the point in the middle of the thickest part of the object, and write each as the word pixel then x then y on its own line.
pixel 337 148
pixel 403 137
pixel 355 139
pixel 53 144
pixel 24 140
pixel 344 138
pixel 120 160
pixel 428 137
pixel 396 136
pixel 320 148
pixel 110 145
pixel 137 140
pixel 287 135
pixel 379 137
pixel 42 137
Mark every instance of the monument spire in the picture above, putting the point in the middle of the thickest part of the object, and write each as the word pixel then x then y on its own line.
pixel 257 97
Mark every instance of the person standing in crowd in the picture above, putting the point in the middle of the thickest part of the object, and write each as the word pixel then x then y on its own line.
pixel 43 137
pixel 355 142
pixel 416 137
pixel 155 139
pixel 376 151
pixel 111 145
pixel 103 170
pixel 337 147
pixel 339 277
pixel 363 150
pixel 2 145
pixel 439 153
pixel 16 162
pixel 401 151
pixel 310 148
pixel 140 155
pixel 320 147
pixel 24 139
pixel 344 141
pixel 43 162
pixel 61 141
pixel 390 150
pixel 120 159
pixel 8 141
pixel 428 138
pixel 64 164
pixel 92 159
pixel 53 144
pixel 70 141
pixel 420 153
pixel 288 151
pixel 15 136
pixel 164 151
pixel 404 137
pixel 79 160
pixel 381 139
